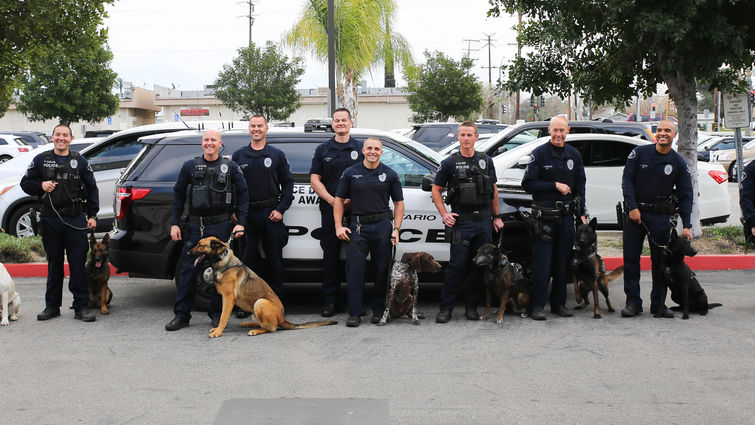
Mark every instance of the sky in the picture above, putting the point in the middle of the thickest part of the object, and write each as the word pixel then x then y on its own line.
pixel 185 43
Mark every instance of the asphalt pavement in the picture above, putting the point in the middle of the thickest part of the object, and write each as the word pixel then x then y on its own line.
pixel 126 369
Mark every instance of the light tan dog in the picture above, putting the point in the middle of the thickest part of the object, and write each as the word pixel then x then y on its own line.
pixel 10 302
pixel 239 285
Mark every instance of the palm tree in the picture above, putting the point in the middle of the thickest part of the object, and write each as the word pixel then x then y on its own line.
pixel 362 40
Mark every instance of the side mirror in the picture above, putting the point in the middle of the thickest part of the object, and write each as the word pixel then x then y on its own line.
pixel 427 182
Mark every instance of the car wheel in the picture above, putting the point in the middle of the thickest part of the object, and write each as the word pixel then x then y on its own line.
pixel 20 222
pixel 5 158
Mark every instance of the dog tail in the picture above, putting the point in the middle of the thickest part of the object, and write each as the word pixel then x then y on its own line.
pixel 308 325
pixel 714 305
pixel 615 274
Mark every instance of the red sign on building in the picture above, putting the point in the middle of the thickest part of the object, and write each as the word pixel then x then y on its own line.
pixel 195 112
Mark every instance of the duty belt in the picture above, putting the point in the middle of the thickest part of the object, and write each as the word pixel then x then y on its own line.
pixel 656 208
pixel 551 209
pixel 474 216
pixel 372 218
pixel 258 205
pixel 210 219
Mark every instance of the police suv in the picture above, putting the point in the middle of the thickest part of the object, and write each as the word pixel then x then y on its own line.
pixel 141 243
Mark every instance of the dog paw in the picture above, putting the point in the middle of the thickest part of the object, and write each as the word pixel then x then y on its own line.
pixel 415 321
pixel 382 322
pixel 105 311
pixel 596 316
pixel 4 323
pixel 499 321
pixel 214 333
pixel 13 318
pixel 685 316
pixel 524 315
pixel 611 310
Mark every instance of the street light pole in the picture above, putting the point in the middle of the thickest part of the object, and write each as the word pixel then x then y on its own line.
pixel 331 58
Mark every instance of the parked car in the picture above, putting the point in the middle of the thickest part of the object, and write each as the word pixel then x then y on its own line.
pixel 33 138
pixel 437 135
pixel 12 146
pixel 710 149
pixel 646 118
pixel 17 166
pixel 484 142
pixel 141 243
pixel 604 156
pixel 728 157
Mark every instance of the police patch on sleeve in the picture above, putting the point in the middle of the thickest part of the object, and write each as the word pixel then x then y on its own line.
pixel 531 159
pixel 483 164
pixel 632 154
pixel 744 176
pixel 223 168
pixel 354 155
pixel 268 162
pixel 570 164
pixel 381 177
pixel 668 169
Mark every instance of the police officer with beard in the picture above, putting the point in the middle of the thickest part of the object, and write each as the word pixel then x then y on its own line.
pixel 64 181
pixel 470 179
pixel 216 190
pixel 655 182
pixel 555 177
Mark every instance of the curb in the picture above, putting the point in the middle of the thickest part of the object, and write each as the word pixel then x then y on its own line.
pixel 697 263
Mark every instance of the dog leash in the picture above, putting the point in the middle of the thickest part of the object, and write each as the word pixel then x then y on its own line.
pixel 651 240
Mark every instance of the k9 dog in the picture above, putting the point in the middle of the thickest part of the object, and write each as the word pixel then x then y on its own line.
pixel 404 286
pixel 239 285
pixel 10 302
pixel 681 280
pixel 588 269
pixel 501 279
pixel 98 274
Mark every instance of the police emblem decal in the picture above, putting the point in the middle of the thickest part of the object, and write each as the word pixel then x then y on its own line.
pixel 632 154
pixel 744 176
pixel 668 169
pixel 381 177
pixel 531 159
pixel 268 162
pixel 223 168
pixel 74 163
pixel 209 275
pixel 354 155
pixel 483 164
pixel 570 164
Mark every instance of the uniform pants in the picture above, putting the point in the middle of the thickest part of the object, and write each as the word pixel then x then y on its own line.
pixel 331 256
pixel 634 236
pixel 468 237
pixel 273 236
pixel 552 259
pixel 57 239
pixel 188 274
pixel 375 239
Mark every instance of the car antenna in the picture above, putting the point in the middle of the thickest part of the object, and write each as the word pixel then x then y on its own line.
pixel 182 120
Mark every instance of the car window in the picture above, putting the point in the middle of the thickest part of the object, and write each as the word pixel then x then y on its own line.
pixel 113 155
pixel 726 144
pixel 624 131
pixel 167 163
pixel 299 156
pixel 409 172
pixel 3 141
pixel 608 153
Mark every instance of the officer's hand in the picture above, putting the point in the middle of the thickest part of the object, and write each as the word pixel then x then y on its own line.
pixel 394 237
pixel 687 233
pixel 584 219
pixel 175 233
pixel 91 224
pixel 275 216
pixel 238 230
pixel 49 185
pixel 497 224
pixel 563 188
pixel 635 215
pixel 450 219
pixel 753 230
pixel 234 220
pixel 343 233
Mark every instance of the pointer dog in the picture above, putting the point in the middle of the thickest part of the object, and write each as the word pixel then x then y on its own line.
pixel 501 280
pixel 402 297
pixel 239 285
pixel 588 269
pixel 10 302
pixel 98 273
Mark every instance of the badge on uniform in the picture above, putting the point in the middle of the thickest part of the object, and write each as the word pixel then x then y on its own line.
pixel 483 164
pixel 268 162
pixel 668 169
pixel 74 163
pixel 570 164
pixel 381 177
pixel 354 155
pixel 223 168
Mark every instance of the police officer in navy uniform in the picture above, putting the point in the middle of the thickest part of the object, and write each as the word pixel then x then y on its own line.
pixel 747 198
pixel 330 160
pixel 271 192
pixel 216 190
pixel 68 193
pixel 368 184
pixel 655 176
pixel 555 177
pixel 470 179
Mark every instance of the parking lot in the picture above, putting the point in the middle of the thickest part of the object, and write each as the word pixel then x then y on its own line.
pixel 125 368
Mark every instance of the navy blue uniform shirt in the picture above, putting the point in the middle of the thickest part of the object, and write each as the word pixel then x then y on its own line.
pixel 31 182
pixel 185 178
pixel 369 189
pixel 332 158
pixel 747 197
pixel 267 174
pixel 548 165
pixel 649 174
pixel 447 170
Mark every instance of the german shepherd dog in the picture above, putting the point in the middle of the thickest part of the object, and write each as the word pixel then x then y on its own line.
pixel 404 286
pixel 98 273
pixel 681 280
pixel 502 280
pixel 239 285
pixel 588 269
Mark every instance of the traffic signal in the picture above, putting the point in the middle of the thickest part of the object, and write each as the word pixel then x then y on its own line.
pixel 532 101
pixel 503 109
pixel 542 100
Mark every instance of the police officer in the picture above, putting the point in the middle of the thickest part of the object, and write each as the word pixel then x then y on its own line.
pixel 368 184
pixel 747 199
pixel 64 181
pixel 330 160
pixel 215 189
pixel 271 191
pixel 555 176
pixel 653 176
pixel 471 181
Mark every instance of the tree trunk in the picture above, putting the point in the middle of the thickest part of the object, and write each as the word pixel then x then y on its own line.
pixel 346 93
pixel 683 90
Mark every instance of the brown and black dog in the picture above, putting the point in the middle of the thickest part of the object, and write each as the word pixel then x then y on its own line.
pixel 239 285
pixel 404 286
pixel 501 279
pixel 588 269
pixel 98 273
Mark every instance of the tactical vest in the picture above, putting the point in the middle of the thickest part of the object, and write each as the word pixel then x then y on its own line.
pixel 69 196
pixel 211 190
pixel 471 185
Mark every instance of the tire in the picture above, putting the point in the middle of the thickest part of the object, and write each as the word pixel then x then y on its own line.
pixel 20 222
pixel 4 158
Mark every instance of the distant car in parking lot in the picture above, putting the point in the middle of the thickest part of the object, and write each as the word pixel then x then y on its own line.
pixel 437 135
pixel 34 139
pixel 17 166
pixel 12 146
pixel 710 149
pixel 728 157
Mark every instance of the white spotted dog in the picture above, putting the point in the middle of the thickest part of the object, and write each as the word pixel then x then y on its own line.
pixel 10 302
pixel 404 286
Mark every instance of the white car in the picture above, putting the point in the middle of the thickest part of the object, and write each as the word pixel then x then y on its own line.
pixel 12 146
pixel 604 156
pixel 17 166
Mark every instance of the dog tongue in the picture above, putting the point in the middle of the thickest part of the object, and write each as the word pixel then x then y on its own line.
pixel 97 264
pixel 198 260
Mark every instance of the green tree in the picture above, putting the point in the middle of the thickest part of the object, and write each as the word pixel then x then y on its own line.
pixel 362 39
pixel 442 88
pixel 261 81
pixel 72 83
pixel 27 27
pixel 612 49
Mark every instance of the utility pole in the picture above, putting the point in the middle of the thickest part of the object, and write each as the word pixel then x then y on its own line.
pixel 518 55
pixel 490 66
pixel 331 58
pixel 250 16
pixel 469 46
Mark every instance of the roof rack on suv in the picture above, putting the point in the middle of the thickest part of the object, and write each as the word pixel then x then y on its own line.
pixel 319 124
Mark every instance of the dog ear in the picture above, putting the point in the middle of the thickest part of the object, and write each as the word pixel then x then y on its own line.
pixel 106 240
pixel 406 258
pixel 416 262
pixel 594 223
pixel 674 235
pixel 216 244
pixel 92 239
